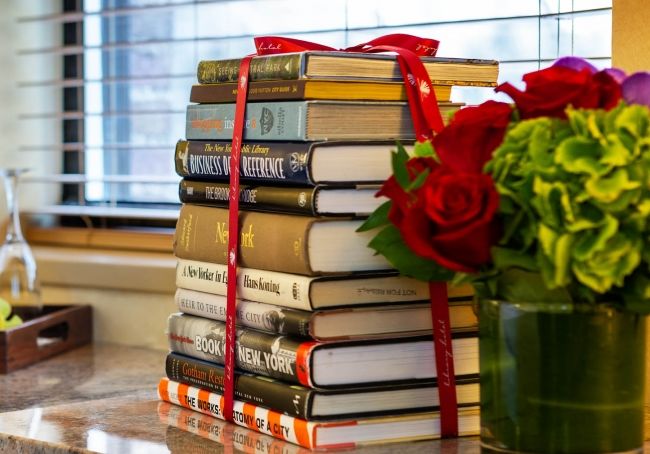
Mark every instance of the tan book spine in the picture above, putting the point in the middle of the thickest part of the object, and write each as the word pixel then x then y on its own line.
pixel 268 241
pixel 257 91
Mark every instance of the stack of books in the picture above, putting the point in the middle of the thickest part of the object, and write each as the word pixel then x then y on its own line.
pixel 333 348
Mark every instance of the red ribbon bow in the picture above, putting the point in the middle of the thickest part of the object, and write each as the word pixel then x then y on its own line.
pixel 422 99
pixel 426 120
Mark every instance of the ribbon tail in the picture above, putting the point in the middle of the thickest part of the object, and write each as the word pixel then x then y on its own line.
pixel 233 239
pixel 444 358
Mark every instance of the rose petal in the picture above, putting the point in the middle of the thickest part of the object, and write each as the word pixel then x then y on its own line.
pixel 617 74
pixel 575 63
pixel 636 89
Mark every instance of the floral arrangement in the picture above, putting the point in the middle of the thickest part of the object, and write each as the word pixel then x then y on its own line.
pixel 543 200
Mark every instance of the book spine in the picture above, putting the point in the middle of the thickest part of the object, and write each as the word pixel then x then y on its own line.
pixel 289 399
pixel 256 352
pixel 281 289
pixel 179 419
pixel 258 91
pixel 269 241
pixel 278 425
pixel 264 121
pixel 281 163
pixel 296 200
pixel 286 66
pixel 251 314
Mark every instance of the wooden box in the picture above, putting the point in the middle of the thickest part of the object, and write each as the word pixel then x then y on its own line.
pixel 57 329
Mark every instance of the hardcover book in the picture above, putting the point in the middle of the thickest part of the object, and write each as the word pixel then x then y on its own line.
pixel 310 403
pixel 205 430
pixel 288 163
pixel 276 242
pixel 310 292
pixel 310 89
pixel 307 120
pixel 307 201
pixel 319 364
pixel 346 433
pixel 373 322
pixel 348 65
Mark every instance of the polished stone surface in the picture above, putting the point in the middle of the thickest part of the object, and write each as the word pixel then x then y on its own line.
pixel 102 398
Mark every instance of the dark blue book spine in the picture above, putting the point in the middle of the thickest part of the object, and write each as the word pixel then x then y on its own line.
pixel 282 163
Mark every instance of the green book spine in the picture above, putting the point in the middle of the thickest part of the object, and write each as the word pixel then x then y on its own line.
pixel 264 121
pixel 296 200
pixel 286 66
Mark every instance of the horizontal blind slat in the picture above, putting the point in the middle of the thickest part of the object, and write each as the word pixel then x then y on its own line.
pixel 86 178
pixel 170 214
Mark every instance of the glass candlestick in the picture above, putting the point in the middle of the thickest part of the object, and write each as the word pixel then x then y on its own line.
pixel 19 284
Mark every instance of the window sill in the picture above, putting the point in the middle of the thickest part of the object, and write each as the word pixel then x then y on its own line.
pixel 106 269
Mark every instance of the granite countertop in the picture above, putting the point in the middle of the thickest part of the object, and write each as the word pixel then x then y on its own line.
pixel 102 398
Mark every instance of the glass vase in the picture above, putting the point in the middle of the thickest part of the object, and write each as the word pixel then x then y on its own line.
pixel 19 284
pixel 561 378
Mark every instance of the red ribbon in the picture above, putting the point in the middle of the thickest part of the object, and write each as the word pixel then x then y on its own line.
pixel 419 90
pixel 233 239
pixel 444 357
pixel 426 120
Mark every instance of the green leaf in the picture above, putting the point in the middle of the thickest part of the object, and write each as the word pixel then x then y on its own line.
pixel 377 218
pixel 636 294
pixel 419 180
pixel 504 258
pixel 390 244
pixel 517 285
pixel 399 160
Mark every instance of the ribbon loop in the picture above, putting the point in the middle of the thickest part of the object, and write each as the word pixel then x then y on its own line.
pixel 268 45
pixel 423 47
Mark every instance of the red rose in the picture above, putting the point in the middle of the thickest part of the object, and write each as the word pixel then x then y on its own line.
pixel 467 143
pixel 550 91
pixel 450 219
pixel 400 198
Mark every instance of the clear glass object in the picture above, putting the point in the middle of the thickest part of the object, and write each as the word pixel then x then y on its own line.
pixel 561 378
pixel 19 283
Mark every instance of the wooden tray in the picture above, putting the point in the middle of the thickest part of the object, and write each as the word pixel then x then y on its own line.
pixel 58 329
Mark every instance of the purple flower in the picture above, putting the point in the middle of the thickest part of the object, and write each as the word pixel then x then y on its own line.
pixel 575 63
pixel 636 89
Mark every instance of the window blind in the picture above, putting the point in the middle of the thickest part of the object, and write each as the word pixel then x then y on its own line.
pixel 108 80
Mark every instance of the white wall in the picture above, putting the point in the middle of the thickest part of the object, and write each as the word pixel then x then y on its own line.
pixel 17 36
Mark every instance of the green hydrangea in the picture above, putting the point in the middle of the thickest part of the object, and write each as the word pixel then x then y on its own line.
pixel 575 201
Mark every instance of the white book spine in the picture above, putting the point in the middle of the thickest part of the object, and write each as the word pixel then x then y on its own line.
pixel 282 289
pixel 262 316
